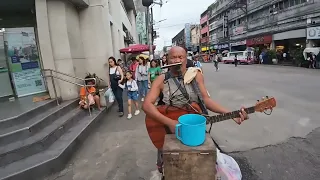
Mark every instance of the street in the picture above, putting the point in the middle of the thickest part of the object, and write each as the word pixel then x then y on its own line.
pixel 284 145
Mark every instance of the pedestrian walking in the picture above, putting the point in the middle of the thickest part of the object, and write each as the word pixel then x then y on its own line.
pixel 235 61
pixel 133 67
pixel 216 62
pixel 197 63
pixel 115 81
pixel 153 72
pixel 142 77
pixel 132 93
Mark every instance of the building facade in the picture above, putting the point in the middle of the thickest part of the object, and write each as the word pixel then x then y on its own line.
pixel 179 39
pixel 264 24
pixel 141 21
pixel 195 38
pixel 73 37
pixel 204 31
pixel 184 38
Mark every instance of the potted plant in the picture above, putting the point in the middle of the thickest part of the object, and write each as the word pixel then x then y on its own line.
pixel 297 56
pixel 272 56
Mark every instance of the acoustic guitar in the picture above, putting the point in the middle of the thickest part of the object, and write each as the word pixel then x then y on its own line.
pixel 157 130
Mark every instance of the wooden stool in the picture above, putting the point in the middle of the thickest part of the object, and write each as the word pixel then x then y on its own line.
pixel 189 163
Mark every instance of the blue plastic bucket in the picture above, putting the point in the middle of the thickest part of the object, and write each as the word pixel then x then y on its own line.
pixel 191 129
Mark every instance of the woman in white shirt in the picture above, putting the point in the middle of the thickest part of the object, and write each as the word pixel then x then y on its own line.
pixel 142 77
pixel 116 79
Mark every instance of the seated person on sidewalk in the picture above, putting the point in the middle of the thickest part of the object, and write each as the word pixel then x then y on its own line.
pixel 179 94
pixel 90 95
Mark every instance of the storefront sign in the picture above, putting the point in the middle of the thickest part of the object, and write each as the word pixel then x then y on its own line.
pixel 221 46
pixel 187 35
pixel 313 32
pixel 24 64
pixel 259 40
pixel 238 43
pixel 238 30
pixel 204 48
pixel 28 82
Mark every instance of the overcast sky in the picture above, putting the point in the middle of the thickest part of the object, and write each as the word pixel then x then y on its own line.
pixel 177 13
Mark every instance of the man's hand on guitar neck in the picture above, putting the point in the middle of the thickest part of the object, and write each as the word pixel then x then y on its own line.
pixel 243 116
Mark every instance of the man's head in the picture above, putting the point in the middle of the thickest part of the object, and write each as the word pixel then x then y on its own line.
pixel 134 59
pixel 177 55
pixel 196 58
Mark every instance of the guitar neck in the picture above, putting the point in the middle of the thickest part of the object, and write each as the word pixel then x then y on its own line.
pixel 230 115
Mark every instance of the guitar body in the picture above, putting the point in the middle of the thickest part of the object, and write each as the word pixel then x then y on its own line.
pixel 157 130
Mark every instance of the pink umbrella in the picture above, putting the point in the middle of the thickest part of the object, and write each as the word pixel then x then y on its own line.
pixel 136 48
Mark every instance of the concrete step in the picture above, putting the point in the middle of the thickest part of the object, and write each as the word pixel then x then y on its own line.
pixel 32 125
pixel 55 156
pixel 40 141
pixel 19 119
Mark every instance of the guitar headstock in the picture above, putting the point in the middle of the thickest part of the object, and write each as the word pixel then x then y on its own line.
pixel 266 103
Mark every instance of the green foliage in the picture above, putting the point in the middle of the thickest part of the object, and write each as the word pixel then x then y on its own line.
pixel 272 54
pixel 297 55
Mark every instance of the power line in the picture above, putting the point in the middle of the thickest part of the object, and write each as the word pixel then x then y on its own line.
pixel 175 25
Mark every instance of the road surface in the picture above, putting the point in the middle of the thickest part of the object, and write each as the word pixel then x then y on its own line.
pixel 282 146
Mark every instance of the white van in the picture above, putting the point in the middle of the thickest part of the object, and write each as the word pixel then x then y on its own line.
pixel 245 57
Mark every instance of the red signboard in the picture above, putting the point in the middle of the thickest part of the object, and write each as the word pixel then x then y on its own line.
pixel 259 40
pixel 204 19
pixel 204 40
pixel 204 30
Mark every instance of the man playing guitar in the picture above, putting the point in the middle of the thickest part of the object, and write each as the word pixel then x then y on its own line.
pixel 178 94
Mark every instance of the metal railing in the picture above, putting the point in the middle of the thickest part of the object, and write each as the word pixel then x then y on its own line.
pixel 55 76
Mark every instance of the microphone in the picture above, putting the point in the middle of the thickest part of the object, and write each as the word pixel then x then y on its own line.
pixel 176 65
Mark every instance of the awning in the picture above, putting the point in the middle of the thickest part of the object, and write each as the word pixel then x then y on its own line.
pixel 136 48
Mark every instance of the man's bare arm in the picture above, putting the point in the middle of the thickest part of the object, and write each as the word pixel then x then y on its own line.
pixel 210 104
pixel 148 105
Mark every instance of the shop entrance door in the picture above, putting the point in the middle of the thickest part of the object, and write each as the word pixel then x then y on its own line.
pixel 5 81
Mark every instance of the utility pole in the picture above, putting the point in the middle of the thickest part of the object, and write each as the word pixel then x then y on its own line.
pixel 149 18
pixel 149 30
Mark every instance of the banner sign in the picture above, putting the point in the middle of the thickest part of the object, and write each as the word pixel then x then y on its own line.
pixel 313 32
pixel 25 63
pixel 221 46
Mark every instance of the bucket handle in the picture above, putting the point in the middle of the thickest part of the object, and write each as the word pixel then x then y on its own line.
pixel 178 127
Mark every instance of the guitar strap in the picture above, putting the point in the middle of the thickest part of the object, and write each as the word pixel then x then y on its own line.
pixel 182 89
pixel 184 92
pixel 201 102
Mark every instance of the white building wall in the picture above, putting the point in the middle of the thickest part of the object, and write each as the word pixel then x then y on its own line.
pixel 96 37
pixel 58 12
pixel 77 41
